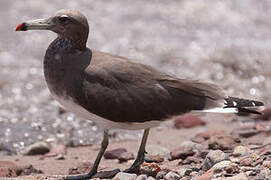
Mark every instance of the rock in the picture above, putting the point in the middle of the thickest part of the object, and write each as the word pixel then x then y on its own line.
pixel 266 115
pixel 240 151
pixel 120 153
pixel 209 133
pixel 262 127
pixel 226 165
pixel 172 176
pixel 187 148
pixel 150 169
pixel 188 121
pixel 241 176
pixel 246 133
pixel 251 160
pixel 156 159
pixel 191 159
pixel 142 177
pixel 226 142
pixel 184 172
pixel 114 154
pixel 156 152
pixel 36 148
pixel 267 164
pixel 60 157
pixel 206 176
pixel 81 168
pixel 58 150
pixel 150 178
pixel 8 169
pixel 125 176
pixel 30 170
pixel 212 158
pixel 161 174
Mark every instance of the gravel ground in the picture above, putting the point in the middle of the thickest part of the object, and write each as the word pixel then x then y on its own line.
pixel 225 42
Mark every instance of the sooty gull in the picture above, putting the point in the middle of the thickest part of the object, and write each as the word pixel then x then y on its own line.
pixel 126 94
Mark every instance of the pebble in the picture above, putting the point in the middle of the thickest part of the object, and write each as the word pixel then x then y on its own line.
pixel 240 151
pixel 223 142
pixel 187 148
pixel 209 133
pixel 125 176
pixel 150 169
pixel 266 114
pixel 161 174
pixel 188 121
pixel 36 149
pixel 156 152
pixel 267 164
pixel 184 172
pixel 8 169
pixel 172 176
pixel 246 133
pixel 212 158
pixel 142 177
pixel 206 176
pixel 81 168
pixel 241 176
pixel 120 153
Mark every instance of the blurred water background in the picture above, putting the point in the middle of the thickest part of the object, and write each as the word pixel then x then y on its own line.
pixel 224 42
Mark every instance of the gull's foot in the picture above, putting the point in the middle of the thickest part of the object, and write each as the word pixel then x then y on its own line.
pixel 102 175
pixel 135 168
pixel 79 177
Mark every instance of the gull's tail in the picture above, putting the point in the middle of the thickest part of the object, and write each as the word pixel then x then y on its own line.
pixel 236 105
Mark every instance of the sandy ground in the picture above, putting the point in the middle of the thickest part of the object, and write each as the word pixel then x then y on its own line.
pixel 165 136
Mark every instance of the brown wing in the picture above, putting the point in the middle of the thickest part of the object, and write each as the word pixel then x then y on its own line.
pixel 120 90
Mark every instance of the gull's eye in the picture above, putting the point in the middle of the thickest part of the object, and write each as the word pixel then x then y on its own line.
pixel 63 18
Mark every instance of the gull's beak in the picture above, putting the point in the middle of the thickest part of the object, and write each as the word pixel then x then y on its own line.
pixel 38 24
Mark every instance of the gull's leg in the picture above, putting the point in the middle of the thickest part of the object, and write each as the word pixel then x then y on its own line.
pixel 94 169
pixel 140 155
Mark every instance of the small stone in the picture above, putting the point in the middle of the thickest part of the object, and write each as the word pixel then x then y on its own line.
pixel 184 172
pixel 157 152
pixel 223 142
pixel 125 176
pixel 240 151
pixel 150 169
pixel 191 159
pixel 59 149
pixel 267 164
pixel 247 161
pixel 8 169
pixel 187 148
pixel 114 154
pixel 266 114
pixel 241 176
pixel 172 176
pixel 262 127
pixel 227 166
pixel 120 153
pixel 156 159
pixel 60 157
pixel 206 176
pixel 246 133
pixel 150 178
pixel 209 133
pixel 212 158
pixel 142 177
pixel 161 174
pixel 188 121
pixel 30 170
pixel 36 148
pixel 81 168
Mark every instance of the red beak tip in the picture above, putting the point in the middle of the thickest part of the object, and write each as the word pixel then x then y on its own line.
pixel 21 27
